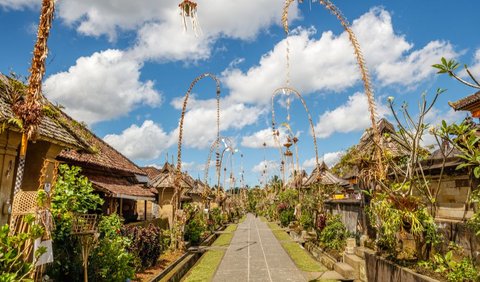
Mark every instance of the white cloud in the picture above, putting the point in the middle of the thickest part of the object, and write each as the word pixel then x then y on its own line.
pixel 330 159
pixel 351 116
pixel 257 139
pixel 328 63
pixel 161 35
pixel 200 128
pixel 474 67
pixel 19 4
pixel 108 17
pixel 434 118
pixel 145 142
pixel 269 166
pixel 101 87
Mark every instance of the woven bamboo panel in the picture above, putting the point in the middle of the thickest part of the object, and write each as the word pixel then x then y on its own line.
pixel 24 202
pixel 84 224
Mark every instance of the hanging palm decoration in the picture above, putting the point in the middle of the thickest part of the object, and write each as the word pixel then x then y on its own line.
pixel 188 9
pixel 29 110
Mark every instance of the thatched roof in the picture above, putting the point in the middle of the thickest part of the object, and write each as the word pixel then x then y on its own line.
pixel 389 139
pixel 322 175
pixel 166 178
pixel 50 129
pixel 298 180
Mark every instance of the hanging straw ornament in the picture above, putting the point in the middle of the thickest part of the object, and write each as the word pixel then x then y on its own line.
pixel 188 9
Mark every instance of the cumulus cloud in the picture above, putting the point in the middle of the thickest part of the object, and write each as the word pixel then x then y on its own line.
pixel 349 117
pixel 257 139
pixel 19 4
pixel 328 64
pixel 145 142
pixel 474 67
pixel 159 24
pixel 200 128
pixel 330 159
pixel 103 86
pixel 269 166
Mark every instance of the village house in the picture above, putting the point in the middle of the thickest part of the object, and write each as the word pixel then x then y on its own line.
pixel 53 137
pixel 121 183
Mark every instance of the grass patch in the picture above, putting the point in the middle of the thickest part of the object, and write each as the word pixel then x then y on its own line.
pixel 231 228
pixel 281 235
pixel 264 219
pixel 223 240
pixel 302 258
pixel 206 267
pixel 242 219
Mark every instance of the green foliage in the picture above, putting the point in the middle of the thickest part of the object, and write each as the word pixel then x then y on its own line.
pixel 289 197
pixel 306 220
pixel 216 217
pixel 195 229
pixel 334 235
pixel 74 192
pixel 13 265
pixel 110 260
pixel 287 216
pixel 146 244
pixel 446 66
pixel 463 270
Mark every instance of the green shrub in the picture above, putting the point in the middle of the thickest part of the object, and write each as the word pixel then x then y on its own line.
pixel 13 266
pixel 216 217
pixel 195 229
pixel 463 270
pixel 334 235
pixel 306 220
pixel 146 244
pixel 287 216
pixel 73 194
pixel 110 260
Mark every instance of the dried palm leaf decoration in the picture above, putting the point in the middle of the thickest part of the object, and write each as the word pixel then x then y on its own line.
pixel 188 9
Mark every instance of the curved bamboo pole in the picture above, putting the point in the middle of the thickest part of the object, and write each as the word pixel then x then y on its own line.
pixel 366 81
pixel 215 145
pixel 178 189
pixel 287 91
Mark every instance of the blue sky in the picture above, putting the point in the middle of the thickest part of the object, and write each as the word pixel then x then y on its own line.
pixel 123 67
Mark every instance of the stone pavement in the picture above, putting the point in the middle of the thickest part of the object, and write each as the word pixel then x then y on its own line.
pixel 256 255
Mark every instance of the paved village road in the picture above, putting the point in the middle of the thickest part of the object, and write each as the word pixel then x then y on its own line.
pixel 255 254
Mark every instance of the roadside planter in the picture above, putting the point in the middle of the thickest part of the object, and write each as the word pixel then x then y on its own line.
pixel 380 269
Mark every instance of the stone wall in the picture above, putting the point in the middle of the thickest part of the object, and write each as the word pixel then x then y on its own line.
pixel 351 212
pixel 459 233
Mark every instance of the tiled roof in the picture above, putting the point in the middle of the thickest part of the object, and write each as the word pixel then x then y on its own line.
pixel 50 129
pixel 152 172
pixel 116 187
pixel 466 103
pixel 101 155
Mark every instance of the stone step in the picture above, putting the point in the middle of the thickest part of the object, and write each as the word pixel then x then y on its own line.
pixel 360 251
pixel 358 264
pixel 345 270
pixel 354 261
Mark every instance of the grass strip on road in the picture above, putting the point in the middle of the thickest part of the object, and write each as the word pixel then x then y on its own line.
pixel 205 268
pixel 242 219
pixel 225 239
pixel 299 255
